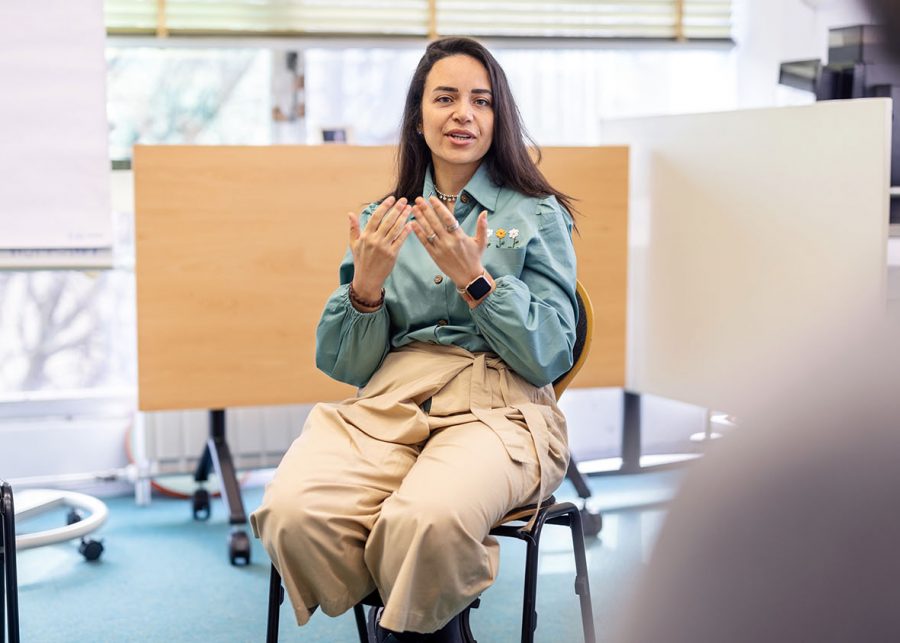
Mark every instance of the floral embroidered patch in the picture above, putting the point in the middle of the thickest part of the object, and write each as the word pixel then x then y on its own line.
pixel 502 238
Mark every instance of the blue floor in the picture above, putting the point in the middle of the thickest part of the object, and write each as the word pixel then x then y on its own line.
pixel 164 577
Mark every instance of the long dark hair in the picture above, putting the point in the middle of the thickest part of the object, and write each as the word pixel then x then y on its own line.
pixel 508 161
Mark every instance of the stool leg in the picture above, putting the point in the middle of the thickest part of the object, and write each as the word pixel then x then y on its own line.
pixel 529 598
pixel 10 580
pixel 361 629
pixel 276 596
pixel 3 586
pixel 582 585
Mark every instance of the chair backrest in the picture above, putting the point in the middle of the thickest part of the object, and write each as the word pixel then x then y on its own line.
pixel 584 330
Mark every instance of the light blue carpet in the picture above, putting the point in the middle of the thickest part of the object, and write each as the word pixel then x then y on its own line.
pixel 165 578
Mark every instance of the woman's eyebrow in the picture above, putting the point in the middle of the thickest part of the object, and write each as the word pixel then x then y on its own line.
pixel 454 90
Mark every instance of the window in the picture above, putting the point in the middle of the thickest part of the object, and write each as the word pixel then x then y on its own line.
pixel 189 96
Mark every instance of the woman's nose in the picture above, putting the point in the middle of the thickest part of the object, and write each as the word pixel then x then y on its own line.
pixel 463 112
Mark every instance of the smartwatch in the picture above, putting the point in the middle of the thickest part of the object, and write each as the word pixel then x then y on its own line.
pixel 479 287
pixel 476 289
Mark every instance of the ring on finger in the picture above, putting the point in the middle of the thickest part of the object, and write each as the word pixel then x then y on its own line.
pixel 431 237
pixel 453 226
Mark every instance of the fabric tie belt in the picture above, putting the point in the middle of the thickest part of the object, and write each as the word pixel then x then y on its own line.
pixel 389 407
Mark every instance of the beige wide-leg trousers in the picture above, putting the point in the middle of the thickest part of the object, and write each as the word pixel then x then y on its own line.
pixel 377 493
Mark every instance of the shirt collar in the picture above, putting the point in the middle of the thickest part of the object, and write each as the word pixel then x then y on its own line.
pixel 480 187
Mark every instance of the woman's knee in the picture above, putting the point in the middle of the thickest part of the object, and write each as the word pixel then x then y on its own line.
pixel 289 518
pixel 425 522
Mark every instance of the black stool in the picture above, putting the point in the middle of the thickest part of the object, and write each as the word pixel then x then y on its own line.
pixel 550 511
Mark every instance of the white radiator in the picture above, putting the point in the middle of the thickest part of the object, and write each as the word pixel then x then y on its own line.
pixel 173 441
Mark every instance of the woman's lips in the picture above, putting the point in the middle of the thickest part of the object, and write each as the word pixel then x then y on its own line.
pixel 460 138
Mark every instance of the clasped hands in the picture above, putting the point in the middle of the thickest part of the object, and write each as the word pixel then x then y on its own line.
pixel 375 248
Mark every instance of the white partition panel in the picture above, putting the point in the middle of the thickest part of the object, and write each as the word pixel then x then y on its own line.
pixel 753 235
pixel 54 160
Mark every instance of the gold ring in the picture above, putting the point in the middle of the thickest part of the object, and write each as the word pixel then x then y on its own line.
pixel 453 226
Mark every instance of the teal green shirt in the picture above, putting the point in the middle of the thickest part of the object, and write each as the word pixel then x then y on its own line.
pixel 528 320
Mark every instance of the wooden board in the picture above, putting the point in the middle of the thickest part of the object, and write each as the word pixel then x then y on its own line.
pixel 238 248
pixel 598 179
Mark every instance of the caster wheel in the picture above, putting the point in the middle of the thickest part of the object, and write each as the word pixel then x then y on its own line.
pixel 72 517
pixel 592 523
pixel 90 549
pixel 239 547
pixel 200 504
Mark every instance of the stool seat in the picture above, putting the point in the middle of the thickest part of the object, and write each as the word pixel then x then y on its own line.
pixel 525 512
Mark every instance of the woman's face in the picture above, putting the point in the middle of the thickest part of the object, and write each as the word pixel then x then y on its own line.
pixel 457 113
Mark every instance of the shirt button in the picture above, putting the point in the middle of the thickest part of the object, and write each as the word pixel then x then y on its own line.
pixel 442 322
pixel 464 198
pixel 438 279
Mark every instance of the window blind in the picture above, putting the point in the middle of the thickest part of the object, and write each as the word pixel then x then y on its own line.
pixel 701 19
pixel 606 19
pixel 707 19
pixel 130 16
pixel 264 17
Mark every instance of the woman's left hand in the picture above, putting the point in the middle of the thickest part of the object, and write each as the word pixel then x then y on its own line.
pixel 457 254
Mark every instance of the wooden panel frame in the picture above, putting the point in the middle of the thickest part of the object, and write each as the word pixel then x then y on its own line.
pixel 237 250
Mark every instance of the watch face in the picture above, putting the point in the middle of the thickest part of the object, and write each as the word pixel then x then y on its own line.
pixel 478 288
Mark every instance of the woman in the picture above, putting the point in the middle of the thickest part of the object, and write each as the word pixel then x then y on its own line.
pixel 454 337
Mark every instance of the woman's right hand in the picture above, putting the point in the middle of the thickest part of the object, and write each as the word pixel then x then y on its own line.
pixel 375 249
